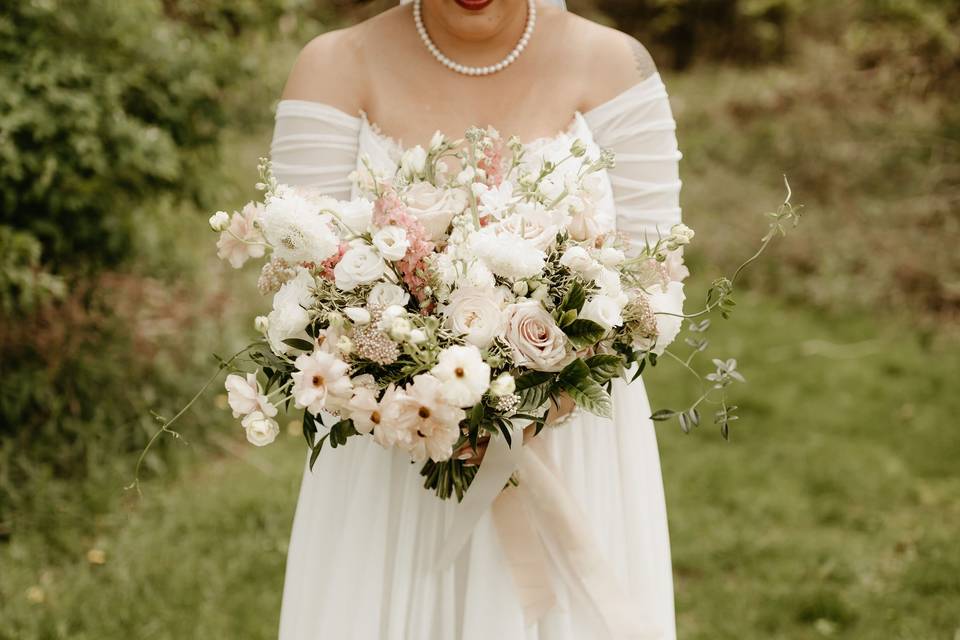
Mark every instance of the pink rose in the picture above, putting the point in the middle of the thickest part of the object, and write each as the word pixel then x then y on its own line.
pixel 536 340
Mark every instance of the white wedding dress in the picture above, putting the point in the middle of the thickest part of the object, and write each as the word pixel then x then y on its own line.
pixel 361 563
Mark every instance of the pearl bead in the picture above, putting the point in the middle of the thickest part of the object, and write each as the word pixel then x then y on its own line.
pixel 475 71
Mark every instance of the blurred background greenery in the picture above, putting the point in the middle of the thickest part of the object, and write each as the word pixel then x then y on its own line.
pixel 835 509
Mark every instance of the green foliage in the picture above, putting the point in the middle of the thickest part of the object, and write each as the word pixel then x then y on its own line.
pixel 23 283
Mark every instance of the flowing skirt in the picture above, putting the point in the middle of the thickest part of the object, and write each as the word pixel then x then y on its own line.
pixel 362 555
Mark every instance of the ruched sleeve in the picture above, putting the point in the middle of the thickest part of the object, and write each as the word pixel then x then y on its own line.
pixel 638 126
pixel 315 144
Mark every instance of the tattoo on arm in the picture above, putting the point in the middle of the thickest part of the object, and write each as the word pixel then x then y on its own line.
pixel 644 62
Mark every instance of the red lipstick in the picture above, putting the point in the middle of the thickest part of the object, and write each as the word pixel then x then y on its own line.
pixel 473 5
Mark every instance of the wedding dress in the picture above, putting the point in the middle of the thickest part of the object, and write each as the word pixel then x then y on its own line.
pixel 361 562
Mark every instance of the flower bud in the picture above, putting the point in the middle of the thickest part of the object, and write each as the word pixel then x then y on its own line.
pixel 261 324
pixel 577 149
pixel 417 336
pixel 520 288
pixel 503 385
pixel 219 221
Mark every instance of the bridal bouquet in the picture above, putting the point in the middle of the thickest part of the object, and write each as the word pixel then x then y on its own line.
pixel 439 307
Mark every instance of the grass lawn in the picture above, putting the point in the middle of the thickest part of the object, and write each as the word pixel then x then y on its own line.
pixel 832 512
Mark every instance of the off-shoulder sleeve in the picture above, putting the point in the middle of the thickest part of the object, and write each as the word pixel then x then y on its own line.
pixel 638 126
pixel 315 145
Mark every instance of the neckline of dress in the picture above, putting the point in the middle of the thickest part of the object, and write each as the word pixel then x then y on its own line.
pixel 397 144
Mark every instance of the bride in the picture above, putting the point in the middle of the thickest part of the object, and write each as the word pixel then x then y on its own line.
pixel 362 556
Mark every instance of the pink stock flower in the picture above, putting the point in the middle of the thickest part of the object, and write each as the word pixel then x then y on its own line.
pixel 330 263
pixel 390 210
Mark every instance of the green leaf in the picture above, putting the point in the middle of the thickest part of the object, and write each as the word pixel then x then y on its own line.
pixel 566 317
pixel 575 379
pixel 575 298
pixel 534 397
pixel 532 379
pixel 663 414
pixel 584 333
pixel 299 343
pixel 604 366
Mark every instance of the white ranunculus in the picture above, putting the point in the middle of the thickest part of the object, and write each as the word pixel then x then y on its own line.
pixel 358 315
pixel 392 243
pixel 603 310
pixel 536 340
pixel 219 221
pixel 579 260
pixel 414 161
pixel 503 385
pixel 320 382
pixel 260 429
pixel 435 208
pixel 464 374
pixel 296 229
pixel 668 300
pixel 476 314
pixel 289 317
pixel 508 255
pixel 386 294
pixel 359 265
pixel 244 395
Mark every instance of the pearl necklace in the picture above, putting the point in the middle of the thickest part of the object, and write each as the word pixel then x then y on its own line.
pixel 476 71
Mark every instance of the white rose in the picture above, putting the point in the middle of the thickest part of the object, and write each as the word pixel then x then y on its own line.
pixel 434 207
pixel 584 222
pixel 536 340
pixel 219 221
pixel 359 265
pixel 577 259
pixel 475 314
pixel 385 294
pixel 358 315
pixel 260 429
pixel 603 310
pixel 392 243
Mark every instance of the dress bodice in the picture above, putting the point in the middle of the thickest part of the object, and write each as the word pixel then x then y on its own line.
pixel 319 145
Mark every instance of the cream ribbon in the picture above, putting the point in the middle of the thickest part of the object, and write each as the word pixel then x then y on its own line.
pixel 536 517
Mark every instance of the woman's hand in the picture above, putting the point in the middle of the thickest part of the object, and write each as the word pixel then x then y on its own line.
pixel 556 413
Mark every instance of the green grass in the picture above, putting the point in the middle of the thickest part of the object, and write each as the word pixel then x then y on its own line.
pixel 832 511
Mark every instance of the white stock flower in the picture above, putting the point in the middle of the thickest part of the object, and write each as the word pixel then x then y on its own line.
pixel 603 310
pixel 297 231
pixel 219 221
pixel 385 294
pixel 435 208
pixel 414 161
pixel 261 430
pixel 535 338
pixel 392 243
pixel 242 240
pixel 494 201
pixel 358 315
pixel 579 260
pixel 508 255
pixel 244 395
pixel 610 256
pixel 503 385
pixel 431 425
pixel 320 382
pixel 464 374
pixel 476 314
pixel 535 223
pixel 289 318
pixel 359 265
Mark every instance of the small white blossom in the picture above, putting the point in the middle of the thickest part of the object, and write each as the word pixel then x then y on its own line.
pixel 464 374
pixel 219 221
